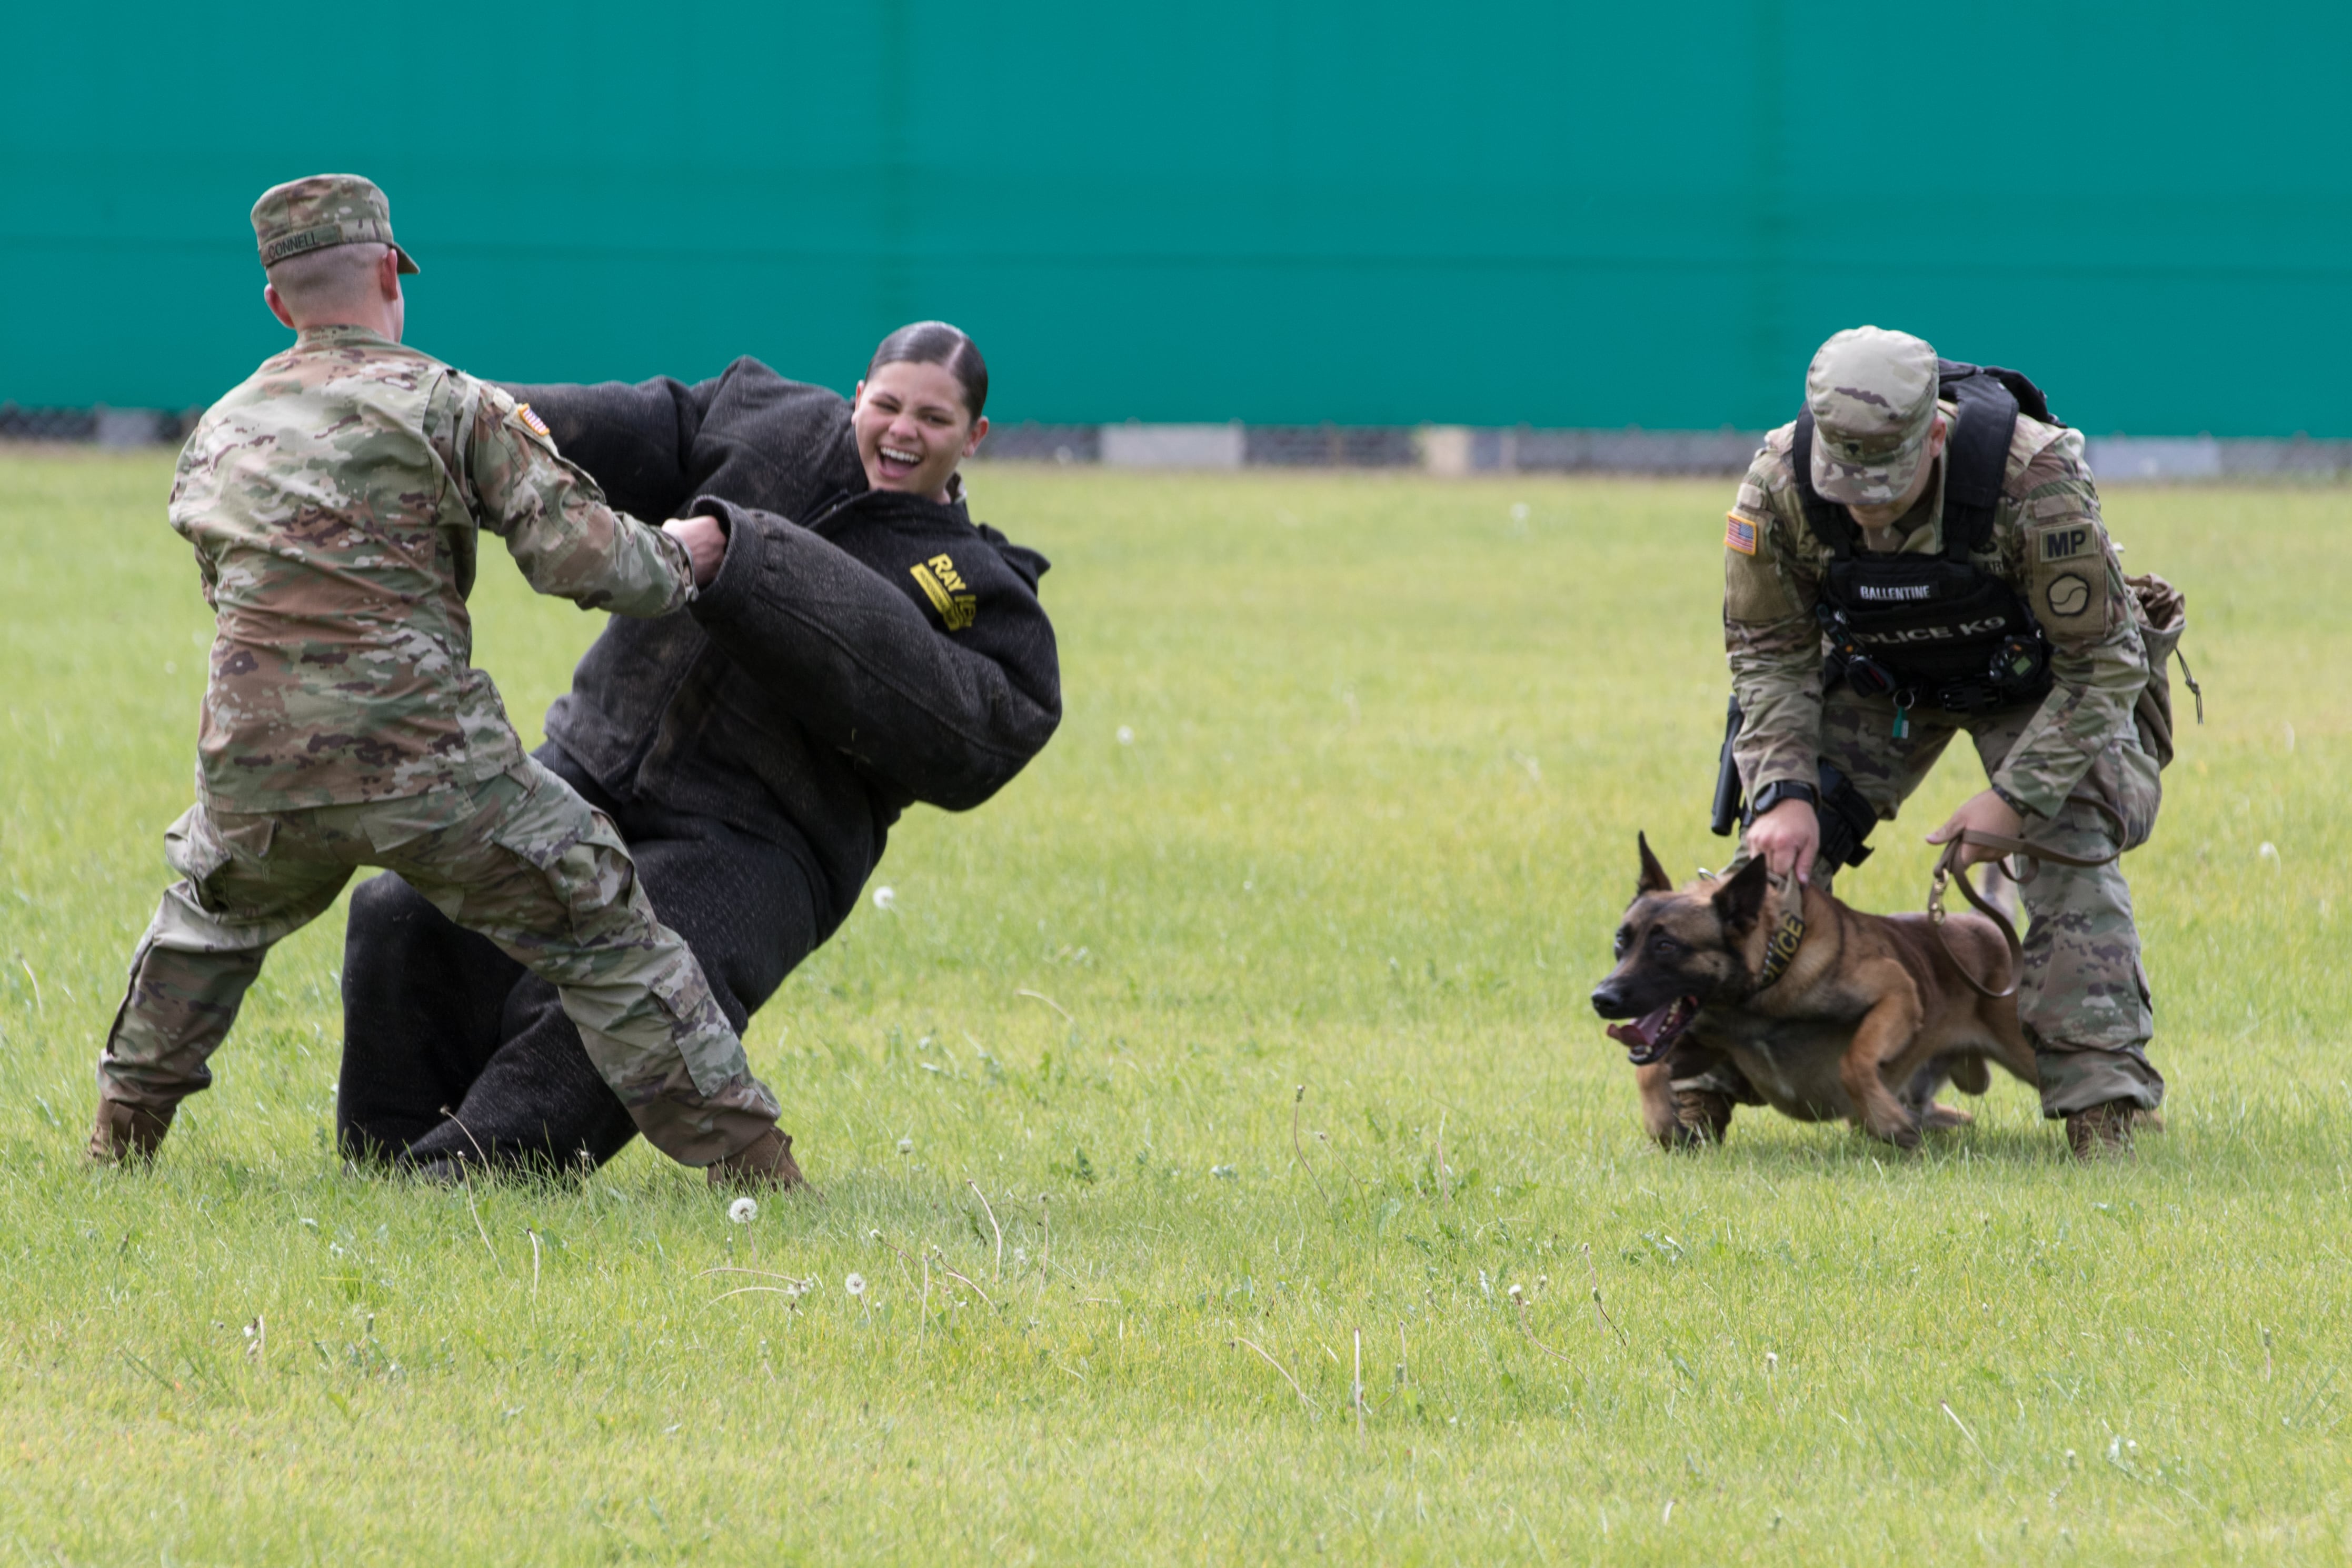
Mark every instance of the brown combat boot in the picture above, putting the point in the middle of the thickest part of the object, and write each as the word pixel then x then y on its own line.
pixel 765 1162
pixel 126 1135
pixel 2105 1132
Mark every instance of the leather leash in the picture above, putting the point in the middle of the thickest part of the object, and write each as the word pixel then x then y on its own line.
pixel 1949 868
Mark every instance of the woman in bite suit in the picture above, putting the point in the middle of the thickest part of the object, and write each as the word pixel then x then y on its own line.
pixel 864 646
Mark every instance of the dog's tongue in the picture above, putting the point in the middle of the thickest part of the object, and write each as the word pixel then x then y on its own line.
pixel 1643 1032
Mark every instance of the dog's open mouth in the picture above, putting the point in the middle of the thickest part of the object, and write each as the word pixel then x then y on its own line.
pixel 1651 1035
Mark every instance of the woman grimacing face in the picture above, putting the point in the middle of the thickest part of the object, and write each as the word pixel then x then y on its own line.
pixel 913 428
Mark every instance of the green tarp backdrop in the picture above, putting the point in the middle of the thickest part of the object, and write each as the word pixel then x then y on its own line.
pixel 1278 211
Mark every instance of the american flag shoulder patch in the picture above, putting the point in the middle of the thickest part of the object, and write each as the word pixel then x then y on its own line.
pixel 532 421
pixel 1738 534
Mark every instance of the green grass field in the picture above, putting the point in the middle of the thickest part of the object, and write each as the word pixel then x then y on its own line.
pixel 1345 798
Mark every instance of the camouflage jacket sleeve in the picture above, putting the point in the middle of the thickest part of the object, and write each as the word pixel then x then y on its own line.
pixel 2055 547
pixel 567 541
pixel 1771 576
pixel 637 441
pixel 207 569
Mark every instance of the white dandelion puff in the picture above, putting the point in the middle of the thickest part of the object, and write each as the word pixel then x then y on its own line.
pixel 886 899
pixel 743 1210
pixel 906 1145
pixel 1516 1294
pixel 1021 1257
pixel 855 1284
pixel 1126 735
pixel 2269 852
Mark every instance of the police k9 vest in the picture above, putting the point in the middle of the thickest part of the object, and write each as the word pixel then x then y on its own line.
pixel 1935 631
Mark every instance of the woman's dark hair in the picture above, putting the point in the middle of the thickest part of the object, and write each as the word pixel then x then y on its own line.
pixel 937 343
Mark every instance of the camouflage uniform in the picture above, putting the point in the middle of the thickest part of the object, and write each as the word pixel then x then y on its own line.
pixel 334 500
pixel 2084 996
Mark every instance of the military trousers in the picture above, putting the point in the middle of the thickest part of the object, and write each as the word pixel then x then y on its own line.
pixel 519 858
pixel 2083 995
pixel 491 1041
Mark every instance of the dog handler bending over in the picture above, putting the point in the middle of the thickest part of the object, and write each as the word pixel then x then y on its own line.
pixel 334 501
pixel 1882 591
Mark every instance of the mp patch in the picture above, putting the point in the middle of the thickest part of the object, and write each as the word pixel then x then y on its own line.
pixel 2066 570
pixel 1738 534
pixel 2067 542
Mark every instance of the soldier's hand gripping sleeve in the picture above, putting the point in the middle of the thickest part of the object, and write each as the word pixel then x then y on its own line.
pixel 567 541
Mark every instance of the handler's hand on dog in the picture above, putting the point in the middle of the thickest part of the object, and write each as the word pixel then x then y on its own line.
pixel 704 542
pixel 1985 813
pixel 1789 837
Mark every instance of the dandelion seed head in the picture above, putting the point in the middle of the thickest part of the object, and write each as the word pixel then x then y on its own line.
pixel 743 1210
pixel 886 899
pixel 906 1145
pixel 1126 735
pixel 855 1284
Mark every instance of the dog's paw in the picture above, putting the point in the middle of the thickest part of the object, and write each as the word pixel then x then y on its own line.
pixel 1898 1129
pixel 1701 1118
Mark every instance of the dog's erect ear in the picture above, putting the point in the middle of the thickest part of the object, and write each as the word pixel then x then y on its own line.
pixel 1654 875
pixel 1739 901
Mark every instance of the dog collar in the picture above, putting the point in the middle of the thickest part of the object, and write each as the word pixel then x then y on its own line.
pixel 1781 950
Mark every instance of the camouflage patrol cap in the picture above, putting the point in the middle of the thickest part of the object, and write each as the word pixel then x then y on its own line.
pixel 320 211
pixel 1873 396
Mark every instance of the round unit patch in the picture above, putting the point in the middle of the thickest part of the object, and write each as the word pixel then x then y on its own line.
pixel 2068 596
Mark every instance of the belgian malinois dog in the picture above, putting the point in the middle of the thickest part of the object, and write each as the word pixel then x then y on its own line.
pixel 1827 1012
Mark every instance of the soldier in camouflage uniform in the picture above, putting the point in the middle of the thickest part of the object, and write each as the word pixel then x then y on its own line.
pixel 1880 429
pixel 334 500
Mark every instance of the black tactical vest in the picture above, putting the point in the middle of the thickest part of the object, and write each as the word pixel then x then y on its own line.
pixel 1935 631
